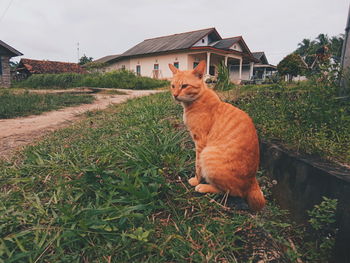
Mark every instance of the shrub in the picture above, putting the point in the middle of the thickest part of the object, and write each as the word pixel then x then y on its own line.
pixel 322 219
pixel 307 117
pixel 116 79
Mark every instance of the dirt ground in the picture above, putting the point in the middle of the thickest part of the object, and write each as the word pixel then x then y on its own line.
pixel 18 132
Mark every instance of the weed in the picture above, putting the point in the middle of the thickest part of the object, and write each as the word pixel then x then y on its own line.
pixel 223 82
pixel 322 219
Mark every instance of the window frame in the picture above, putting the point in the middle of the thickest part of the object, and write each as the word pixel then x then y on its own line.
pixel 138 70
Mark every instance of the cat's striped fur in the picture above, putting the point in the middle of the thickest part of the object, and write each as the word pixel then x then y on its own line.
pixel 227 148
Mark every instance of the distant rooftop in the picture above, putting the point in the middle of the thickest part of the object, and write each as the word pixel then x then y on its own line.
pixel 106 59
pixel 49 67
pixel 10 49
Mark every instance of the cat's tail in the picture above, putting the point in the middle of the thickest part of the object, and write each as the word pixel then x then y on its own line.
pixel 255 198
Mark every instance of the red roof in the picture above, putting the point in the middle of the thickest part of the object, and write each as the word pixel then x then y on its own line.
pixel 49 67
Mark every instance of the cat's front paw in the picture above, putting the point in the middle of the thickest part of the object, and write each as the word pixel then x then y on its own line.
pixel 193 181
pixel 206 188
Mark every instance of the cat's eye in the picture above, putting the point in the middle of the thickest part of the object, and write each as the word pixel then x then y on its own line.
pixel 173 86
pixel 184 86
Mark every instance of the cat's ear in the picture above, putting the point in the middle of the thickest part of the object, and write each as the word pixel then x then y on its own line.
pixel 200 69
pixel 173 69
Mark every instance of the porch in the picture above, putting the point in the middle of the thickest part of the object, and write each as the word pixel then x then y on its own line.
pixel 262 71
pixel 240 68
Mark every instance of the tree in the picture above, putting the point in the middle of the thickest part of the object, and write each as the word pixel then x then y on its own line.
pixel 291 66
pixel 336 44
pixel 84 59
pixel 304 47
pixel 309 49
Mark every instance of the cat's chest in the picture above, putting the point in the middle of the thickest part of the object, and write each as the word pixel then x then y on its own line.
pixel 197 124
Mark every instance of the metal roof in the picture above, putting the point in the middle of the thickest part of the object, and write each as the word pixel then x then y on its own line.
pixel 106 59
pixel 14 52
pixel 260 56
pixel 169 43
pixel 226 43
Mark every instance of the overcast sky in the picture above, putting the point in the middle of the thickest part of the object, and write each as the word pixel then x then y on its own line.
pixel 51 29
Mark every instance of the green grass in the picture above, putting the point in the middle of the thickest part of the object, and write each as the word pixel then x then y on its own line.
pixel 16 104
pixel 306 118
pixel 113 188
pixel 121 79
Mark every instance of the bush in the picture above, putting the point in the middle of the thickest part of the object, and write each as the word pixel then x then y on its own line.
pixel 307 117
pixel 322 220
pixel 117 79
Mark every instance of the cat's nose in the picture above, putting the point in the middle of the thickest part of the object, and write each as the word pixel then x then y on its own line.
pixel 175 95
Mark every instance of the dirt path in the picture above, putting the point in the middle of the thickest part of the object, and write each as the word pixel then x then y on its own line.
pixel 21 131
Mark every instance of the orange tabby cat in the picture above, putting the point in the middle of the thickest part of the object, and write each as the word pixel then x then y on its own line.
pixel 227 149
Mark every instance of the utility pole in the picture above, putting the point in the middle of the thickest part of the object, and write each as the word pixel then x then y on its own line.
pixel 345 62
pixel 78 52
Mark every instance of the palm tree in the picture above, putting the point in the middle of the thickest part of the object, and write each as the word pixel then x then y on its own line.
pixel 336 44
pixel 323 40
pixel 303 47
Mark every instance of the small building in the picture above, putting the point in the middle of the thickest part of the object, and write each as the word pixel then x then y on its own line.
pixel 27 67
pixel 6 52
pixel 151 57
pixel 262 69
pixel 103 64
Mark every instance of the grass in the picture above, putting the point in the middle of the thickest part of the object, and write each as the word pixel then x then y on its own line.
pixel 121 79
pixel 16 103
pixel 307 117
pixel 113 188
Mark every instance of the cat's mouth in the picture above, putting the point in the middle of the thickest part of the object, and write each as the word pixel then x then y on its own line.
pixel 183 99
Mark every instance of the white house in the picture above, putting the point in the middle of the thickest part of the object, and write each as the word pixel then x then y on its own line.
pixel 151 57
pixel 262 69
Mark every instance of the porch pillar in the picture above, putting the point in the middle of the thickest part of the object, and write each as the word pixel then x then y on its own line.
pixel 226 58
pixel 240 68
pixel 264 76
pixel 251 69
pixel 208 62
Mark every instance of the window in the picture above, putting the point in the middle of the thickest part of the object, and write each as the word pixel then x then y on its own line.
pixel 195 64
pixel 123 67
pixel 138 70
pixel 0 66
pixel 156 66
pixel 203 40
pixel 176 64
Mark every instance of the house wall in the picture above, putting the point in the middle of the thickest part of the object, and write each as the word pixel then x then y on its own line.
pixel 195 58
pixel 116 66
pixel 147 64
pixel 202 42
pixel 236 47
pixel 234 72
pixel 185 59
pixel 5 76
